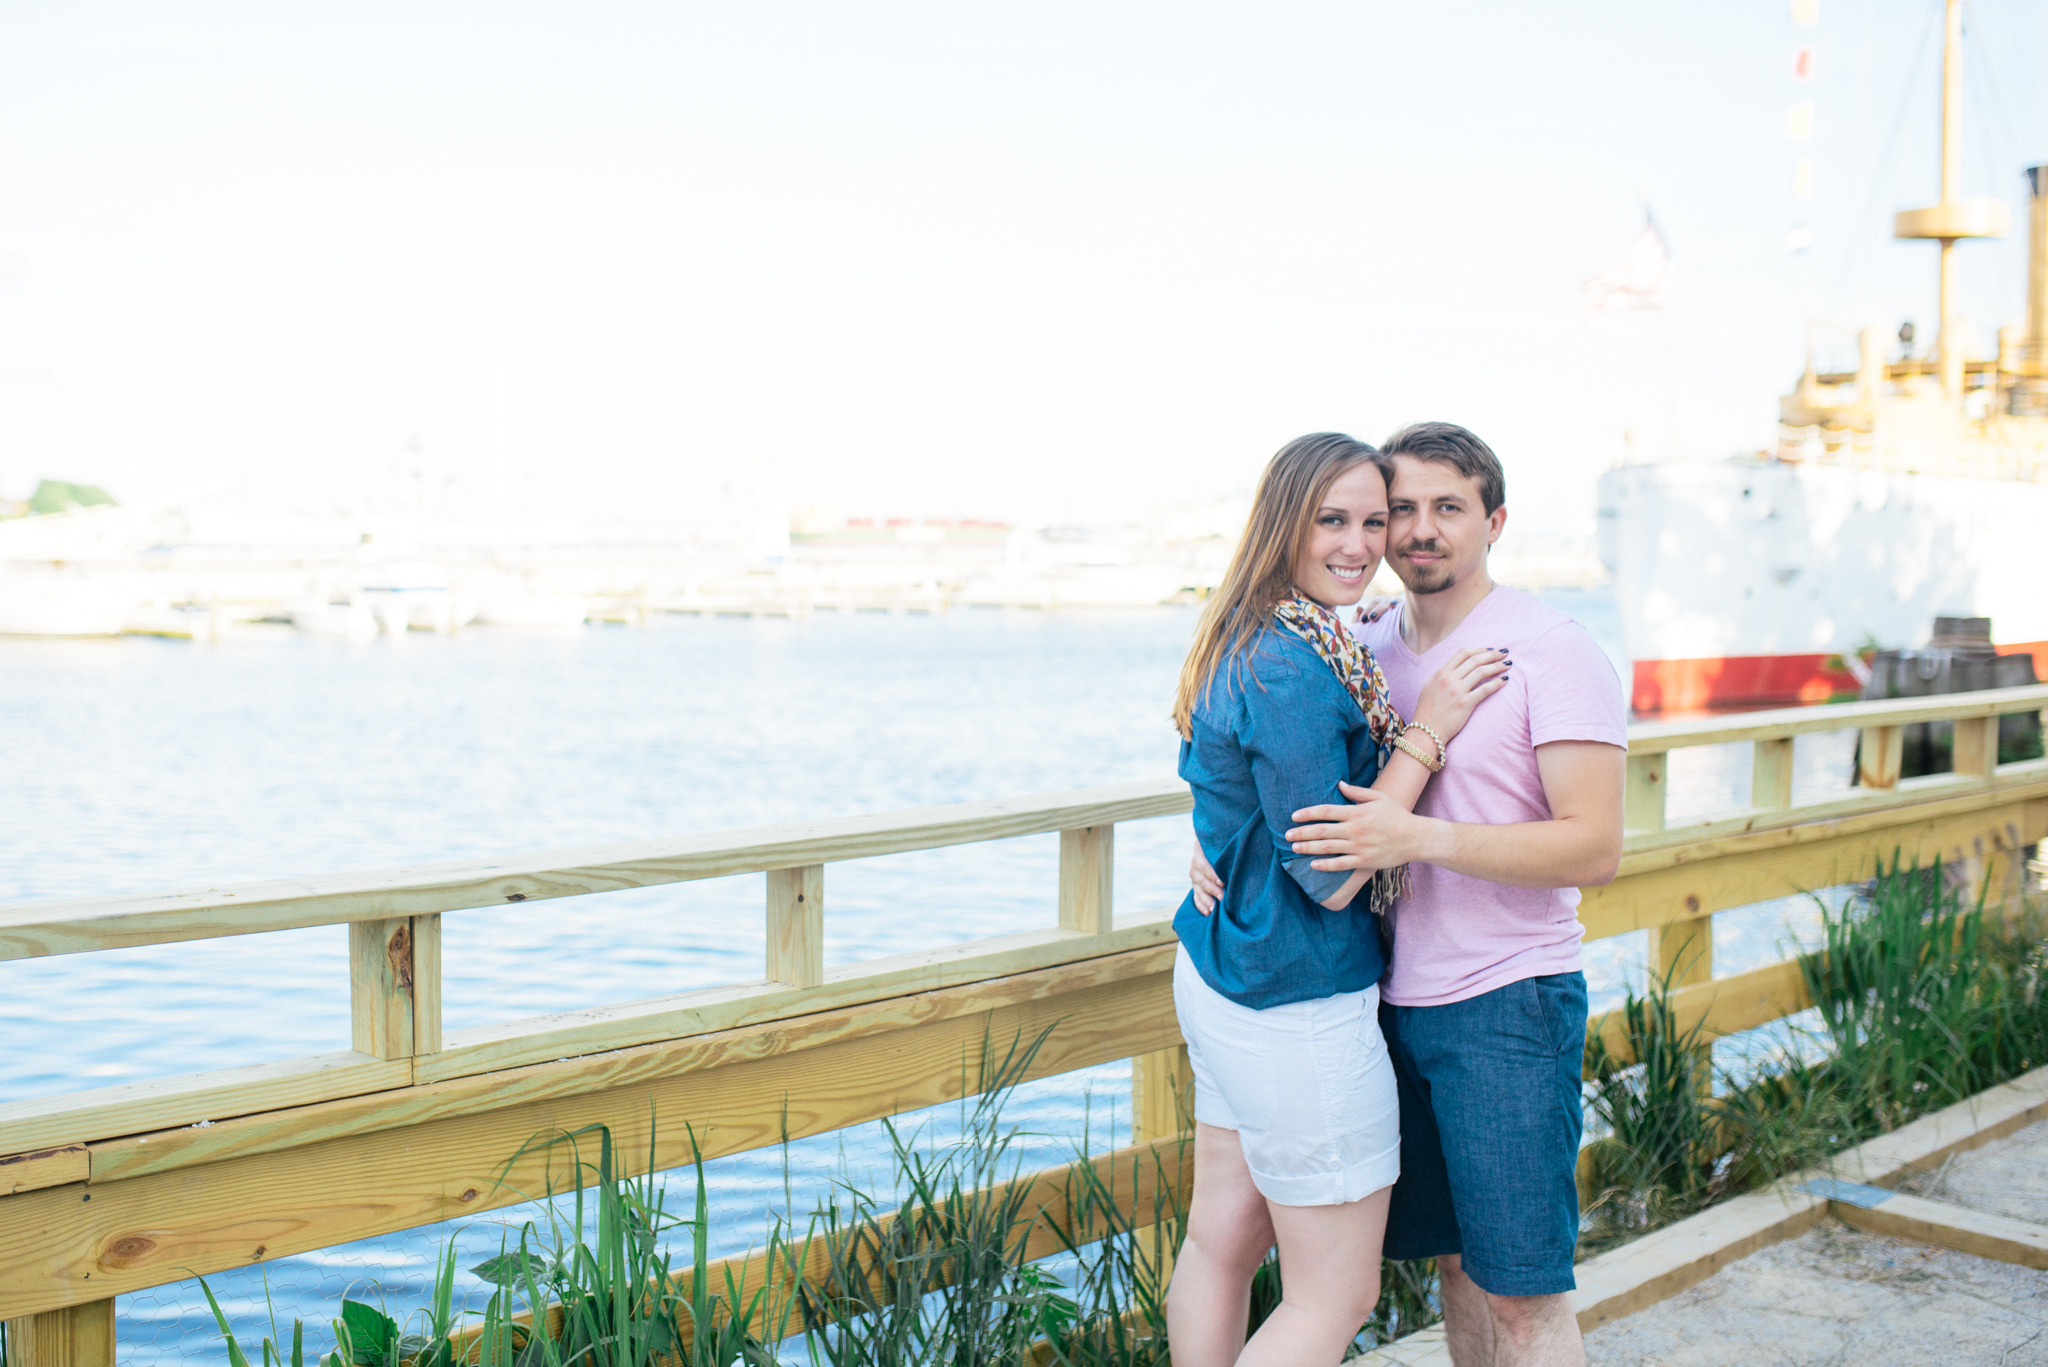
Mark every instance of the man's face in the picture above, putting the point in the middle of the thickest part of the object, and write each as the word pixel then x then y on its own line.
pixel 1437 527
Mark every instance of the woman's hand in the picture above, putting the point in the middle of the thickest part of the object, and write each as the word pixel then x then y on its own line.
pixel 1208 887
pixel 1464 681
pixel 1372 609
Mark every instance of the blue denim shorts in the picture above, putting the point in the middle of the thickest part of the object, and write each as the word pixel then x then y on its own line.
pixel 1490 1125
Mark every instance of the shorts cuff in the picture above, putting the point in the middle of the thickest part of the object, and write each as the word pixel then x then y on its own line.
pixel 1337 1188
pixel 1527 1281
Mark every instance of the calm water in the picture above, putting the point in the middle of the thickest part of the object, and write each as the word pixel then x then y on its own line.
pixel 139 765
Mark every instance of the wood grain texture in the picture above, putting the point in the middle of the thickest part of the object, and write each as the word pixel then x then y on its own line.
pixel 1739 870
pixel 1915 798
pixel 1087 868
pixel 796 925
pixel 1643 793
pixel 1162 1094
pixel 32 929
pixel 1770 774
pixel 194 1099
pixel 1645 737
pixel 1976 748
pixel 426 985
pixel 1880 754
pixel 380 978
pixel 1665 1262
pixel 56 1250
pixel 76 1336
pixel 44 1168
pixel 566 1079
pixel 514 1043
pixel 1975 1232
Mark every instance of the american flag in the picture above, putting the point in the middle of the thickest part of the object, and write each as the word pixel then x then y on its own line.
pixel 1641 279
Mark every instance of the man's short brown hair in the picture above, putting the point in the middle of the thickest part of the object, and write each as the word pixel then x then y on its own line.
pixel 1446 443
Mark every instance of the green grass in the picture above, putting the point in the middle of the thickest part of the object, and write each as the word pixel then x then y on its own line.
pixel 1922 1000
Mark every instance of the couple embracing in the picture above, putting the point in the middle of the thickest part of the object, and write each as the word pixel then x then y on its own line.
pixel 1378 975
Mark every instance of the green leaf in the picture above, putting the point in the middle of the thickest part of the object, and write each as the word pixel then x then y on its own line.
pixel 509 1269
pixel 371 1333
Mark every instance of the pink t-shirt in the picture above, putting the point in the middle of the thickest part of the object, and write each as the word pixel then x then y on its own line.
pixel 1456 936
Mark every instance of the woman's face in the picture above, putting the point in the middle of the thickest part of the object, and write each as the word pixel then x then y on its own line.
pixel 1346 539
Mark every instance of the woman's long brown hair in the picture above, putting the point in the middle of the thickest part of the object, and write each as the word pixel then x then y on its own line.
pixel 1262 567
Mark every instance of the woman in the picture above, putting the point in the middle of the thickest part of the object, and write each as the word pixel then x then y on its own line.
pixel 1296 1124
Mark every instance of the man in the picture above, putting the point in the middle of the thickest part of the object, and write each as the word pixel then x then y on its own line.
pixel 1484 1005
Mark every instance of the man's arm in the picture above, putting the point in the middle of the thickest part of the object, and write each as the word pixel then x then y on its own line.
pixel 1580 846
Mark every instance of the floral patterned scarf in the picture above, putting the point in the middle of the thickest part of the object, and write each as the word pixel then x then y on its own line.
pixel 1360 674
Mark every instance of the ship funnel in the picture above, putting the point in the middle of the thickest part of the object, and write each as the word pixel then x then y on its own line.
pixel 2030 394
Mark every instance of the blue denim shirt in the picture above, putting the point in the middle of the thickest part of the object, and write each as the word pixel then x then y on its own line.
pixel 1271 736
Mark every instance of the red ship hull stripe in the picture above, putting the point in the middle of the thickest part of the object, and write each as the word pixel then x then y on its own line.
pixel 1761 680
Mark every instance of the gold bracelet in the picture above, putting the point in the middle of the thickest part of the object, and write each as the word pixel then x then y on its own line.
pixel 1442 750
pixel 1409 747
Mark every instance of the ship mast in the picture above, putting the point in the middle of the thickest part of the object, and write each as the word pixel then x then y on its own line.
pixel 1954 218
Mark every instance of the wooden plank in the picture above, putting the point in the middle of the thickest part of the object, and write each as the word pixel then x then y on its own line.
pixel 1770 774
pixel 380 993
pixel 1975 1232
pixel 1925 1144
pixel 1162 1094
pixel 1914 798
pixel 1649 737
pixel 1643 793
pixel 569 1078
pixel 1665 1262
pixel 1726 1006
pixel 1880 755
pixel 796 925
pixel 76 1336
pixel 44 1168
pixel 514 1043
pixel 426 985
pixel 1976 748
pixel 165 1226
pixel 33 929
pixel 1087 866
pixel 1738 871
pixel 195 1099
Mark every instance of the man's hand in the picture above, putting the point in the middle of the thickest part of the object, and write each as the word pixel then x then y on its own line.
pixel 1377 832
pixel 1208 887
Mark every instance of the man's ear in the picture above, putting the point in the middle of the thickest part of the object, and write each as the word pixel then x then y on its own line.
pixel 1496 522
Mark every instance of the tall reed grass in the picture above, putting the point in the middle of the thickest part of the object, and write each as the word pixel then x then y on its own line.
pixel 1921 998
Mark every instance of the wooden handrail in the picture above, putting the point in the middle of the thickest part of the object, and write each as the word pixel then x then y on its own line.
pixel 1648 738
pixel 76 926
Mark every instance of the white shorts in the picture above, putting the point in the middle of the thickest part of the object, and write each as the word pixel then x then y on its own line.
pixel 1307 1086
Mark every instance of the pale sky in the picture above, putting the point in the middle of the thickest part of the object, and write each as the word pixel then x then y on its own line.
pixel 1041 261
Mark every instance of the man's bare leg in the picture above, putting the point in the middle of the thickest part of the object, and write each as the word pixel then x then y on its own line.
pixel 1468 1318
pixel 1536 1331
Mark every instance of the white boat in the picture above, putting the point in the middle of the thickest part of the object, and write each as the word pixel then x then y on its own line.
pixel 525 607
pixel 1906 489
pixel 335 617
pixel 415 595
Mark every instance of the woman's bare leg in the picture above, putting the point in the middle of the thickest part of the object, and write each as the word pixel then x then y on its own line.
pixel 1228 1235
pixel 1330 1280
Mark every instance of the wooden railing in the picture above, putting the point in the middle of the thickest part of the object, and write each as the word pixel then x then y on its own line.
pixel 118 1189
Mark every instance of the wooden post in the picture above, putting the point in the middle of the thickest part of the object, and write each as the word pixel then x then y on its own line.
pixel 1976 748
pixel 1682 954
pixel 1770 774
pixel 1162 1094
pixel 394 970
pixel 1880 756
pixel 1643 798
pixel 796 925
pixel 1087 869
pixel 76 1336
